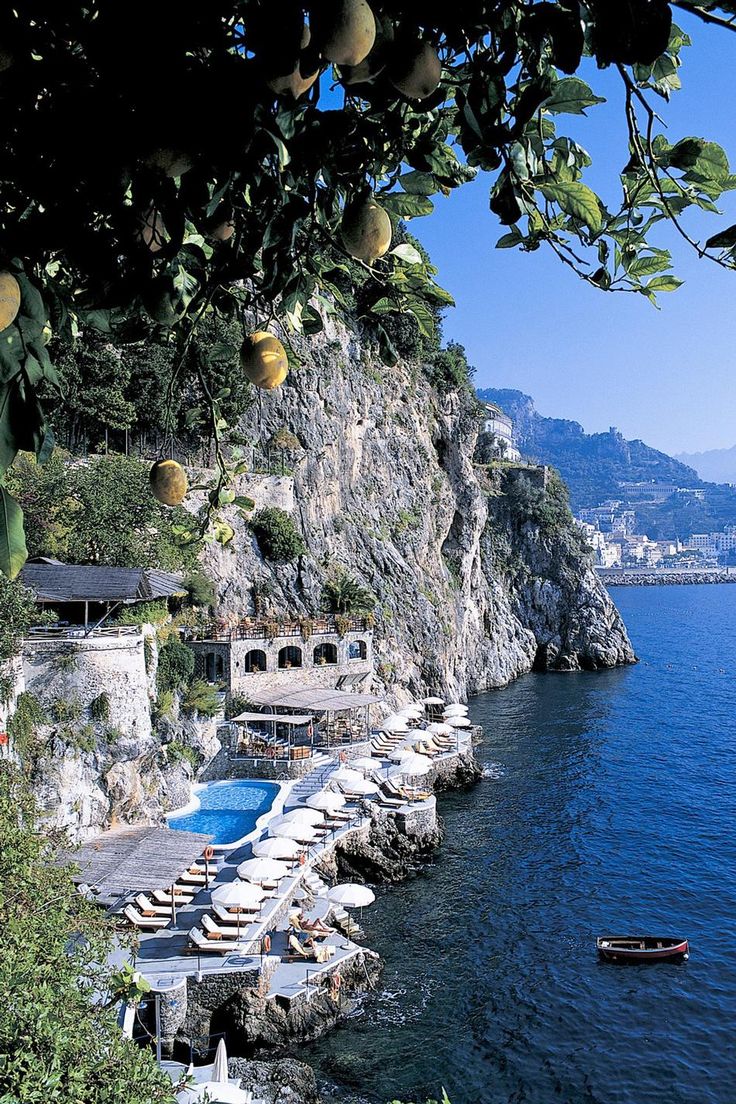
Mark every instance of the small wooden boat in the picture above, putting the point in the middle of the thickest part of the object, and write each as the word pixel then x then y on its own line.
pixel 642 948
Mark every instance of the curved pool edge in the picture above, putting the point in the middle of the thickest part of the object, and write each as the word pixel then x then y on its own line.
pixel 274 810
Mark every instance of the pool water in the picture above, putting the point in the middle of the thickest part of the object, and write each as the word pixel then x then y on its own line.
pixel 228 810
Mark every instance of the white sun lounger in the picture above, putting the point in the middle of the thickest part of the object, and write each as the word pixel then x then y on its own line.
pixel 139 921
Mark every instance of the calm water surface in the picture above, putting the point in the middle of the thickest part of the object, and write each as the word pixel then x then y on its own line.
pixel 609 805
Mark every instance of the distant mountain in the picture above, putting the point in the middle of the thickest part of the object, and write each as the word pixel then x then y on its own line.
pixel 715 465
pixel 592 464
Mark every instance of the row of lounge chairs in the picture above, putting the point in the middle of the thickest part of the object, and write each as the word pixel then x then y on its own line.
pixel 153 912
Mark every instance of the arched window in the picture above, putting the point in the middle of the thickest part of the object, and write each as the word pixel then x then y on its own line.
pixel 325 654
pixel 214 667
pixel 255 660
pixel 357 649
pixel 290 657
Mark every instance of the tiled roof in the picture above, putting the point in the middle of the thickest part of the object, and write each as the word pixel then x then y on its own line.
pixel 54 582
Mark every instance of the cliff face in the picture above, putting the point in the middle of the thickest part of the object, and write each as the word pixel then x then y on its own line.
pixel 471 591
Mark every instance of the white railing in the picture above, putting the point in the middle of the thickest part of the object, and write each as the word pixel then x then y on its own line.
pixel 78 632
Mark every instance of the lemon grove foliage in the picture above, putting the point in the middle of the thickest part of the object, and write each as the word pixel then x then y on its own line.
pixel 164 163
pixel 59 1037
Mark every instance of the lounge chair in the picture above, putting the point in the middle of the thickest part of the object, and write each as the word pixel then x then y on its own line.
pixel 147 907
pixel 138 920
pixel 229 918
pixel 218 946
pixel 211 869
pixel 163 897
pixel 297 951
pixel 188 878
pixel 225 931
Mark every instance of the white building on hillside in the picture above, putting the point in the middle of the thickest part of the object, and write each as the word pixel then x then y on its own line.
pixel 499 425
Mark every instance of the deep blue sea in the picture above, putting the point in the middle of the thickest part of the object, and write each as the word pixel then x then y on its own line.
pixel 610 804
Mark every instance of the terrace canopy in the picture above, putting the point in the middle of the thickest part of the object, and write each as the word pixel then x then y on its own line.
pixel 322 700
pixel 284 736
pixel 131 860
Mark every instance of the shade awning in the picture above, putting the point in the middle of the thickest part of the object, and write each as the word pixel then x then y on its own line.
pixel 311 697
pixel 281 718
pixel 131 860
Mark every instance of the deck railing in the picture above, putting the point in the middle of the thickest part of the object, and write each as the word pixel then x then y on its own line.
pixel 78 632
pixel 265 629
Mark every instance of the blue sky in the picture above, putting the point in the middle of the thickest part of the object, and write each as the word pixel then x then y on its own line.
pixel 527 322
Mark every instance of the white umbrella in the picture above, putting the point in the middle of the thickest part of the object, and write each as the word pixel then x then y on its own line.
pixel 237 894
pixel 351 895
pixel 277 848
pixel 411 711
pixel 326 800
pixel 433 701
pixel 362 786
pixel 441 728
pixel 219 1066
pixel 400 753
pixel 292 829
pixel 345 774
pixel 262 870
pixel 394 723
pixel 304 815
pixel 366 764
pixel 456 707
pixel 459 722
pixel 414 765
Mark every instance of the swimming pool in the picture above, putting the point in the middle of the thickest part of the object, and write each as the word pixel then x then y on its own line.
pixel 226 810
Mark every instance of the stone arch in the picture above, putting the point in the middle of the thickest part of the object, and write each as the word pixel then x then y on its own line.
pixel 357 649
pixel 255 661
pixel 325 654
pixel 290 656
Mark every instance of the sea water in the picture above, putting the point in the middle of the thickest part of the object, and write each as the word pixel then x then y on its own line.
pixel 607 806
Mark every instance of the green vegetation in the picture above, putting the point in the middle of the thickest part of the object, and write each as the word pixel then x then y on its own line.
pixel 235 704
pixel 59 1045
pixel 200 697
pixel 175 666
pixel 448 369
pixel 143 244
pixel 277 536
pixel 27 718
pixel 342 593
pixel 177 752
pixel 99 511
pixel 18 611
pixel 66 710
pixel 143 613
pixel 99 707
pixel 200 590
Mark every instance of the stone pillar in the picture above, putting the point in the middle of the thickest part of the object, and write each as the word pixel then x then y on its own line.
pixel 172 1013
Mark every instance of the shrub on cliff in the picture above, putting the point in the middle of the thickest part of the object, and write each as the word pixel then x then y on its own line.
pixel 60 1043
pixel 18 611
pixel 277 535
pixel 200 697
pixel 342 593
pixel 175 666
pixel 448 369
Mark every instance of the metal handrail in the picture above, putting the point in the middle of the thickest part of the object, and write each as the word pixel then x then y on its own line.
pixel 263 629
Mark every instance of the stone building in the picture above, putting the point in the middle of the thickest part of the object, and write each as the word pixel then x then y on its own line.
pixel 498 434
pixel 334 651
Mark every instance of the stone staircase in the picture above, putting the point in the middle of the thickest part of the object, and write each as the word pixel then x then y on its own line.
pixel 315 780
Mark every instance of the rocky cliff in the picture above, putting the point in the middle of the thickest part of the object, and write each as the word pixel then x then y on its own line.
pixel 473 590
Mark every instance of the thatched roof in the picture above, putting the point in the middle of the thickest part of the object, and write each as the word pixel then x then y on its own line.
pixel 130 860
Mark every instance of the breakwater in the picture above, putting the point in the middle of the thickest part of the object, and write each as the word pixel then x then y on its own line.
pixel 666 578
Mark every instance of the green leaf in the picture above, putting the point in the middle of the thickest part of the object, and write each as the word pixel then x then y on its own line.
pixel 576 199
pixel 664 283
pixel 419 183
pixel 571 96
pixel 408 253
pixel 725 239
pixel 508 241
pixel 649 264
pixel 404 205
pixel 13 551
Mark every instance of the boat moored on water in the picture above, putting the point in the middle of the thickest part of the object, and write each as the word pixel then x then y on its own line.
pixel 642 948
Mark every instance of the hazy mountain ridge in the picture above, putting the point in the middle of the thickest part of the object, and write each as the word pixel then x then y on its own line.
pixel 592 464
pixel 713 465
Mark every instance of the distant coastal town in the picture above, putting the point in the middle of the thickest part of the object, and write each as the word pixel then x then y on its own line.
pixel 611 532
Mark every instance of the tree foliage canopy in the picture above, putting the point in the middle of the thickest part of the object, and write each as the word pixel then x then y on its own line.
pixel 59 1037
pixel 152 175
